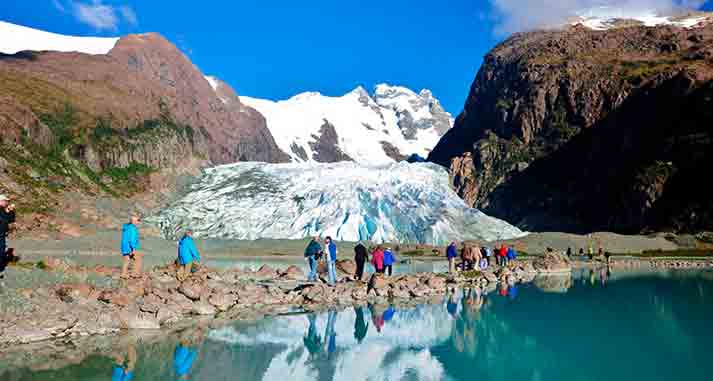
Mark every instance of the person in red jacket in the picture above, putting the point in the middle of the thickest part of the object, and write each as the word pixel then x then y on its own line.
pixel 377 259
pixel 503 254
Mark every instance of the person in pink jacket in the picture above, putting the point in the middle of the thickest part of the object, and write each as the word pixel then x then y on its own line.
pixel 377 259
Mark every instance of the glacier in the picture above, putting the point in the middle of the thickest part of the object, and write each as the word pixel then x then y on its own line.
pixel 399 202
pixel 17 38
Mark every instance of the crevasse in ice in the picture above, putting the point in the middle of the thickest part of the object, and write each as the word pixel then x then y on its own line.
pixel 400 202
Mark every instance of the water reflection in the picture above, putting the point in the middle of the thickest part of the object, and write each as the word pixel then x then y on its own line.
pixel 558 328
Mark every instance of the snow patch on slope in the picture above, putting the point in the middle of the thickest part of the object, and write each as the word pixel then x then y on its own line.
pixel 409 122
pixel 16 38
pixel 604 18
pixel 395 203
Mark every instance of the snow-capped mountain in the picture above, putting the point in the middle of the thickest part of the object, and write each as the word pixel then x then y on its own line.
pixel 399 202
pixel 604 18
pixel 386 127
pixel 37 40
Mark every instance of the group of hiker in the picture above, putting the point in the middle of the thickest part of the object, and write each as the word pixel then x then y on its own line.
pixel 187 259
pixel 382 258
pixel 474 257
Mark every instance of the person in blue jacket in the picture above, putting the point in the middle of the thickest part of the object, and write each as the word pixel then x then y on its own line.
pixel 187 254
pixel 312 252
pixel 511 254
pixel 130 246
pixel 331 251
pixel 389 260
pixel 451 254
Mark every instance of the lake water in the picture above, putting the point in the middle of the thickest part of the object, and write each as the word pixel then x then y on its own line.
pixel 648 327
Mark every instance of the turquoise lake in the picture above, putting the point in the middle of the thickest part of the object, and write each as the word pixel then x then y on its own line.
pixel 593 326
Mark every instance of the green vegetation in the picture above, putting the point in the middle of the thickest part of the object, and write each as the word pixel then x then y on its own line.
pixel 503 104
pixel 636 72
pixel 658 171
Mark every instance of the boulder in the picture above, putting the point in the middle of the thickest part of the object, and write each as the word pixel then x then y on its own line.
pixel 552 263
pixel 346 266
pixel 436 282
pixel 192 290
pixel 222 301
pixel 203 308
pixel 135 319
pixel 292 273
pixel 116 297
pixel 266 272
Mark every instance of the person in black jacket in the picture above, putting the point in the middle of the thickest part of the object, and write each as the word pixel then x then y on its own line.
pixel 360 257
pixel 7 217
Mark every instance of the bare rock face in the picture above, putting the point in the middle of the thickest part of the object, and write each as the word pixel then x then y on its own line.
pixel 581 130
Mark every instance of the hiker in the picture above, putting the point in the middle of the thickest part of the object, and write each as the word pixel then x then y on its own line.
pixel 488 253
pixel 465 256
pixel 187 254
pixel 590 252
pixel 503 255
pixel 600 253
pixel 377 259
pixel 511 254
pixel 311 254
pixel 7 218
pixel 451 254
pixel 389 260
pixel 130 246
pixel 581 252
pixel 330 249
pixel 360 257
pixel 569 252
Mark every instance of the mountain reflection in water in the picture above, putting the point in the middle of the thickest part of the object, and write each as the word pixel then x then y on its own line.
pixel 589 327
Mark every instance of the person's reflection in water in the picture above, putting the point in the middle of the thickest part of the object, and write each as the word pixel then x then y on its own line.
pixel 124 364
pixel 186 352
pixel 592 277
pixel 603 276
pixel 451 305
pixel 512 292
pixel 377 316
pixel 313 342
pixel 389 313
pixel 360 325
pixel 331 335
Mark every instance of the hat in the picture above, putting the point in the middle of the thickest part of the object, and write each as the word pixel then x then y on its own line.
pixel 4 198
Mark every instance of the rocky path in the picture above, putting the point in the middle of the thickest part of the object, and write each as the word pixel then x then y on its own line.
pixel 159 300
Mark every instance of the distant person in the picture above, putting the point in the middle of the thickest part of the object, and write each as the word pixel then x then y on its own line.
pixel 590 252
pixel 503 254
pixel 600 252
pixel 488 253
pixel 7 218
pixel 389 260
pixel 330 249
pixel 311 254
pixel 581 252
pixel 361 327
pixel 511 254
pixel 187 255
pixel 124 365
pixel 569 252
pixel 466 257
pixel 451 255
pixel 607 256
pixel 130 246
pixel 377 259
pixel 360 257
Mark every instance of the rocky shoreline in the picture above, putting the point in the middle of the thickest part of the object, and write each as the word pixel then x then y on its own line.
pixel 158 301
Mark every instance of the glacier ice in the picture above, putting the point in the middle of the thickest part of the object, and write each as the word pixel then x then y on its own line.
pixel 400 202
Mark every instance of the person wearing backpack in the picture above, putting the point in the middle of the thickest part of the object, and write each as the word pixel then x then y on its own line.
pixel 311 252
pixel 360 257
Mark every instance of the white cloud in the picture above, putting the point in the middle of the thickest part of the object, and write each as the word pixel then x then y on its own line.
pixel 59 6
pixel 518 15
pixel 129 15
pixel 98 15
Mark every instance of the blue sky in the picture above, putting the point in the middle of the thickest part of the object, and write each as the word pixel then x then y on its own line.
pixel 275 49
